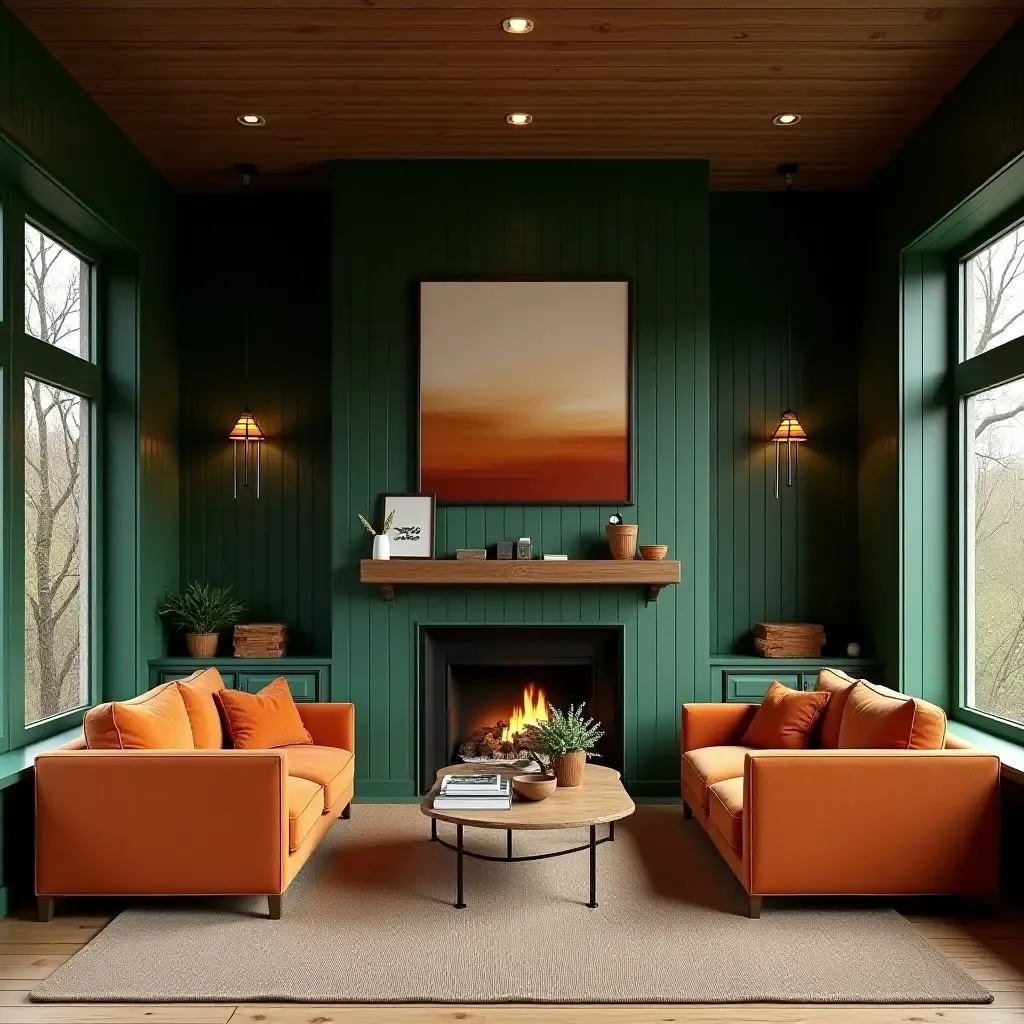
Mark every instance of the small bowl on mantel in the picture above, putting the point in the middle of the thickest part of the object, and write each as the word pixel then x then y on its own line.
pixel 653 552
pixel 534 787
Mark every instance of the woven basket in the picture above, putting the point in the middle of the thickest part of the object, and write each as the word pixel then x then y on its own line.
pixel 622 539
pixel 202 645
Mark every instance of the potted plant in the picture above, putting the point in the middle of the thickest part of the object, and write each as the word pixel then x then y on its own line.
pixel 202 610
pixel 566 740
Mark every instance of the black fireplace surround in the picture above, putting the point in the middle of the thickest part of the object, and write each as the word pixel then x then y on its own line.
pixel 470 676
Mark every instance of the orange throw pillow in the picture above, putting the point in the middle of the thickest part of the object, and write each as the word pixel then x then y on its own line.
pixel 155 720
pixel 839 685
pixel 258 721
pixel 197 692
pixel 785 719
pixel 877 718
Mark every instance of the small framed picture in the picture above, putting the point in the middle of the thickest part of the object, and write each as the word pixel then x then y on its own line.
pixel 412 529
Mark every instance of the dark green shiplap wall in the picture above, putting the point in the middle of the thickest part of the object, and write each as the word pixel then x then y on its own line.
pixel 906 591
pixel 397 222
pixel 795 558
pixel 274 256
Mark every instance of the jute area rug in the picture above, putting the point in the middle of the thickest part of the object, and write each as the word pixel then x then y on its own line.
pixel 370 919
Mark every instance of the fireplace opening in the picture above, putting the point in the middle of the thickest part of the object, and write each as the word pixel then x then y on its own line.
pixel 481 686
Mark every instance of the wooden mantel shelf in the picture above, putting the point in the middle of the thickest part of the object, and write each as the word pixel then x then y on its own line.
pixel 652 576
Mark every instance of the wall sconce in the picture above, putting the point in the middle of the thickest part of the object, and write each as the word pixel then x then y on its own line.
pixel 788 433
pixel 245 432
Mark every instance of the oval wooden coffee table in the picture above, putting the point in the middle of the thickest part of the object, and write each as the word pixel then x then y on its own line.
pixel 600 800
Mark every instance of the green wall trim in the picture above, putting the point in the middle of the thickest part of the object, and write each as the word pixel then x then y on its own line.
pixel 395 222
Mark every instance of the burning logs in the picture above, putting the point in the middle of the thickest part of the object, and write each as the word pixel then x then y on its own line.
pixel 488 742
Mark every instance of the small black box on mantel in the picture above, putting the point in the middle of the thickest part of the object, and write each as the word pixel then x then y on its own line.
pixel 506 550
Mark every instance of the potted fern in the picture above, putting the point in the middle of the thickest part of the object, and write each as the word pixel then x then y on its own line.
pixel 201 611
pixel 566 740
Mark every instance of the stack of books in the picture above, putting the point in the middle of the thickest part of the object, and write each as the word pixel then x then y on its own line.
pixel 789 639
pixel 261 640
pixel 474 793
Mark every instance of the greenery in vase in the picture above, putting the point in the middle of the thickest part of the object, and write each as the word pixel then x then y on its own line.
pixel 202 608
pixel 563 733
pixel 371 531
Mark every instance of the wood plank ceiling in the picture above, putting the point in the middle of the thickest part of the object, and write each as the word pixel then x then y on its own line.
pixel 435 78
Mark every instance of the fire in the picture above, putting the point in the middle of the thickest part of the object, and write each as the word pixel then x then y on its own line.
pixel 534 709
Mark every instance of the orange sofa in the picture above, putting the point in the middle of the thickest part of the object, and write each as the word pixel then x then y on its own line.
pixel 197 822
pixel 830 821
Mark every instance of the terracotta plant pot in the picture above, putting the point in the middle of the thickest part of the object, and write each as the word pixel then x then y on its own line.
pixel 202 645
pixel 622 539
pixel 653 552
pixel 569 768
pixel 534 787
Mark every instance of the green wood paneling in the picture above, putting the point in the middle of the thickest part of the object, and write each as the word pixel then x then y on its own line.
pixel 794 558
pixel 276 256
pixel 68 157
pixel 906 589
pixel 397 222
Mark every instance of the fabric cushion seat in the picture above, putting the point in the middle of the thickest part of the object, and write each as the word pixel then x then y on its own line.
pixel 726 810
pixel 305 805
pixel 707 765
pixel 326 766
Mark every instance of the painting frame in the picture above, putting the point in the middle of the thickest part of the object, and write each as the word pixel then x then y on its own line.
pixel 427 516
pixel 630 370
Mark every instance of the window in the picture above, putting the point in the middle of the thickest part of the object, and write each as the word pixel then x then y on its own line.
pixel 57 291
pixel 57 461
pixel 990 390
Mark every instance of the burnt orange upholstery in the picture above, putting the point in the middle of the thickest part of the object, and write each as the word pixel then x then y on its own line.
pixel 187 822
pixel 726 810
pixel 256 721
pixel 703 768
pixel 197 692
pixel 155 720
pixel 715 725
pixel 305 804
pixel 328 767
pixel 877 718
pixel 786 718
pixel 844 821
pixel 838 685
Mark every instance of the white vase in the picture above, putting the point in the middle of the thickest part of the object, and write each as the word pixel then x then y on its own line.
pixel 381 547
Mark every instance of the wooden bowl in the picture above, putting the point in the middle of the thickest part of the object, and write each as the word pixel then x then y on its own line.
pixel 653 552
pixel 534 787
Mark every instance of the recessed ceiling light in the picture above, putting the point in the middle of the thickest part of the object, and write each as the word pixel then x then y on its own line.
pixel 251 120
pixel 517 26
pixel 785 119
pixel 519 119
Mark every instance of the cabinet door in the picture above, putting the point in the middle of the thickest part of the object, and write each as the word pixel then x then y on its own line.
pixel 302 684
pixel 167 675
pixel 750 687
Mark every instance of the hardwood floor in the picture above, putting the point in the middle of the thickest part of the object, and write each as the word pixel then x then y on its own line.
pixel 991 950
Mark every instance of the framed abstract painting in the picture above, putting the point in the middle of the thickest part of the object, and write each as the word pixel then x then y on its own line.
pixel 526 392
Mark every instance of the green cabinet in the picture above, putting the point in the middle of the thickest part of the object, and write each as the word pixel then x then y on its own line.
pixel 742 679
pixel 309 679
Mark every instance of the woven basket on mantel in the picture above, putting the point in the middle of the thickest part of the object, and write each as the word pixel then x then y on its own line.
pixel 622 539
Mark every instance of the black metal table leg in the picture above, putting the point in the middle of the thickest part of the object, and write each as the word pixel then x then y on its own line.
pixel 593 866
pixel 508 855
pixel 611 831
pixel 433 830
pixel 459 903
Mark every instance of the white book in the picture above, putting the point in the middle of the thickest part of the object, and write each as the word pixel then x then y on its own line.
pixel 472 803
pixel 486 785
pixel 556 558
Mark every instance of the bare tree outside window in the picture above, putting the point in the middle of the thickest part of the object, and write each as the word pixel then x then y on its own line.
pixel 995 434
pixel 57 465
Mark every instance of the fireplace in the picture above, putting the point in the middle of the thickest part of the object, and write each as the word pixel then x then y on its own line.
pixel 480 686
